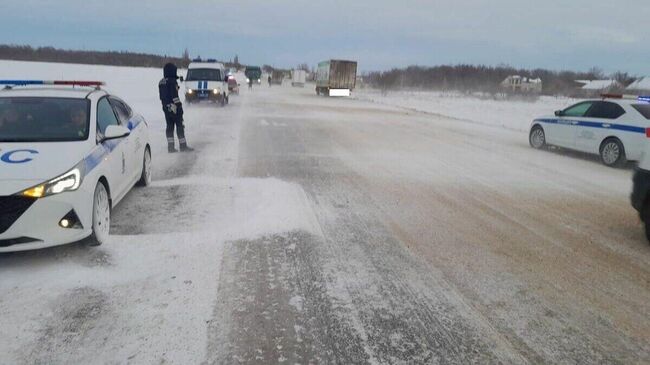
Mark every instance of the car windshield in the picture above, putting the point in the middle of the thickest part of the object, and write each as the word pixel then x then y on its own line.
pixel 203 74
pixel 253 72
pixel 43 119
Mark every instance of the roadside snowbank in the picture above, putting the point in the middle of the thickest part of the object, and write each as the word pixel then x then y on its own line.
pixel 510 114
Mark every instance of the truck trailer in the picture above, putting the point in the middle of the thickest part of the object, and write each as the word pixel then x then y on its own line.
pixel 298 78
pixel 336 77
pixel 277 77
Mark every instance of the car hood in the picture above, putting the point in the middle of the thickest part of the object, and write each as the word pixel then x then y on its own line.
pixel 23 165
pixel 545 117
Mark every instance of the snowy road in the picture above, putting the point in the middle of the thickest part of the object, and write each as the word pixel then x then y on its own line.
pixel 314 230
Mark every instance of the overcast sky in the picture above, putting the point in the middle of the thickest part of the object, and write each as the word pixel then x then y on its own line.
pixel 380 34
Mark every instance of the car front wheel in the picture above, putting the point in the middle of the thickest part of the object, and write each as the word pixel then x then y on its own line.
pixel 537 138
pixel 145 177
pixel 101 216
pixel 612 152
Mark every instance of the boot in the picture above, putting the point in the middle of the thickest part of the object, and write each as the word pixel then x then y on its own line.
pixel 171 148
pixel 186 148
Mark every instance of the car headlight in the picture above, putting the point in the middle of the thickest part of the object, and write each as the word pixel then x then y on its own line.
pixel 215 91
pixel 69 181
pixel 190 91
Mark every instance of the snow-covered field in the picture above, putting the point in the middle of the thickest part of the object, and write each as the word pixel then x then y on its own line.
pixel 512 114
pixel 407 228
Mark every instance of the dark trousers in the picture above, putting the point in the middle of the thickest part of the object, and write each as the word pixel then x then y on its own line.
pixel 174 120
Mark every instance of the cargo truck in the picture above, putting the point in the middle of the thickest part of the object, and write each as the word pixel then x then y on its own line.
pixel 253 73
pixel 298 78
pixel 277 77
pixel 336 77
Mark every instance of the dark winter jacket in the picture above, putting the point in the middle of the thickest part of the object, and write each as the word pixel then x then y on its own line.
pixel 168 91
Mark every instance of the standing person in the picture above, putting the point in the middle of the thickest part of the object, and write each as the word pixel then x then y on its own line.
pixel 250 83
pixel 173 109
pixel 269 79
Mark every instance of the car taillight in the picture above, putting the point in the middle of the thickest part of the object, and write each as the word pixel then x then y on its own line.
pixel 647 132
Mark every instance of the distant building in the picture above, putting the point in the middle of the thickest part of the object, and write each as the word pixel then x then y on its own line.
pixel 639 87
pixel 520 84
pixel 597 87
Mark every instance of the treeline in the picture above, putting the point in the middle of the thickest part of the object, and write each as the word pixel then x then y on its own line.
pixel 111 58
pixel 471 78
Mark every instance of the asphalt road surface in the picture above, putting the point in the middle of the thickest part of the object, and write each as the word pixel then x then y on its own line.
pixel 430 240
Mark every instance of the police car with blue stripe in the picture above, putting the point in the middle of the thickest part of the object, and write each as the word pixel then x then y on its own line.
pixel 69 152
pixel 614 127
pixel 206 81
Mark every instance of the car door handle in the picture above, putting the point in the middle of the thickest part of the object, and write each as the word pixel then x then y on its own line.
pixel 574 123
pixel 606 125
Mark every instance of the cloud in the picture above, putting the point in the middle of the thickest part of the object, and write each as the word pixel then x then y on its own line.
pixel 380 33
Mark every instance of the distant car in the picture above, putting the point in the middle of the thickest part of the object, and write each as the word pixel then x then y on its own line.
pixel 614 127
pixel 233 86
pixel 206 81
pixel 67 156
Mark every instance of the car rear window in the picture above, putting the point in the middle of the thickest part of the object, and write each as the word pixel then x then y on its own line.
pixel 644 109
pixel 43 119
pixel 606 110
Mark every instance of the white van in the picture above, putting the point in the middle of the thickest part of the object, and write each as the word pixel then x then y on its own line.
pixel 206 81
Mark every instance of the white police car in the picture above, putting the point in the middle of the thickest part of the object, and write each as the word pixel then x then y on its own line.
pixel 67 157
pixel 614 127
pixel 206 81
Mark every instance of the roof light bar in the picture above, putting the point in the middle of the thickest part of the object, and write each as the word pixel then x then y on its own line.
pixel 51 82
pixel 623 96
pixel 644 98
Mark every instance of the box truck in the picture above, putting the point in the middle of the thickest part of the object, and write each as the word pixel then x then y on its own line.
pixel 298 78
pixel 277 77
pixel 336 77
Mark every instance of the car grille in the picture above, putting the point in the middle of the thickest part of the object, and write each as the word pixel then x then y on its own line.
pixel 11 208
pixel 18 241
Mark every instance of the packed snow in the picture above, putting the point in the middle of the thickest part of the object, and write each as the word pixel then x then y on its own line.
pixel 143 287
pixel 407 226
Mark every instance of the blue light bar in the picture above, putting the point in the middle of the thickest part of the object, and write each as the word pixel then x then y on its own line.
pixel 10 83
pixel 22 82
pixel 644 98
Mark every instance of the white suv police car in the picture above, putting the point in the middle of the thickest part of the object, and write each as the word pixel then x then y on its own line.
pixel 67 157
pixel 614 127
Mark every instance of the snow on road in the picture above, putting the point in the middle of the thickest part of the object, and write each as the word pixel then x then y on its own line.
pixel 147 295
pixel 315 230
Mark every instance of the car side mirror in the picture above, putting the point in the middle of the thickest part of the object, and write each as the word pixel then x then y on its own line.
pixel 559 113
pixel 181 79
pixel 115 132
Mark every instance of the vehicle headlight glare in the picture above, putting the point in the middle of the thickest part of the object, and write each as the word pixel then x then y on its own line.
pixel 67 182
pixel 70 181
pixel 215 91
pixel 190 91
